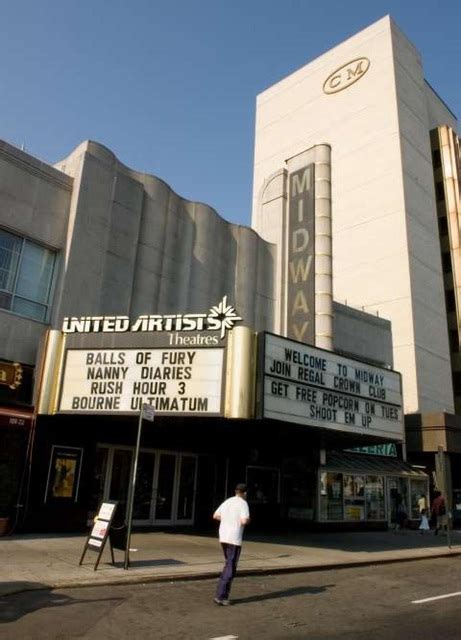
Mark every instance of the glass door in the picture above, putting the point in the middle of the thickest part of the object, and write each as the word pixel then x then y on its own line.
pixel 98 483
pixel 143 503
pixel 164 491
pixel 165 484
pixel 186 492
pixel 397 492
pixel 120 477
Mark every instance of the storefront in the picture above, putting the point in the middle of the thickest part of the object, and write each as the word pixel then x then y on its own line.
pixel 16 420
pixel 363 488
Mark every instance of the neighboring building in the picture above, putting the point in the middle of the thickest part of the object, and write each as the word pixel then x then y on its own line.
pixel 118 291
pixel 395 220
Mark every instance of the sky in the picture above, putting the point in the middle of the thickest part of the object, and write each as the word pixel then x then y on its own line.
pixel 170 85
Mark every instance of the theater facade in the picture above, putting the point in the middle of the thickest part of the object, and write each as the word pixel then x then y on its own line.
pixel 230 404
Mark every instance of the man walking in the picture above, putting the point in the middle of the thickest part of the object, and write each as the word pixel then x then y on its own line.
pixel 233 515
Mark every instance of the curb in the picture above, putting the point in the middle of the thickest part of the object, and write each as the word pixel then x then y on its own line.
pixel 209 575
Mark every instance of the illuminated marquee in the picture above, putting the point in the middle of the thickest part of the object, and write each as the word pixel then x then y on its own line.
pixel 318 388
pixel 174 381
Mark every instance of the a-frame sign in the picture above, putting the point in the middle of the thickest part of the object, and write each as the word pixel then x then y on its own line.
pixel 97 538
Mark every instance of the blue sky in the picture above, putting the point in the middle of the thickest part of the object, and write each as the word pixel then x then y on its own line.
pixel 170 87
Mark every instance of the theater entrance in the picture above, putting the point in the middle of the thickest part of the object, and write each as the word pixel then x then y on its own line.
pixel 165 484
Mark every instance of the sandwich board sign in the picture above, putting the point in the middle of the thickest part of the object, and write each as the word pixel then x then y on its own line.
pixel 97 538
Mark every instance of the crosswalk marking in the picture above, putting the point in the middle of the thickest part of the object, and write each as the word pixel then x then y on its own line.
pixel 446 595
pixel 225 638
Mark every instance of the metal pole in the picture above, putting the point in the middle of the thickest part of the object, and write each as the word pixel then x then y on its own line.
pixel 131 491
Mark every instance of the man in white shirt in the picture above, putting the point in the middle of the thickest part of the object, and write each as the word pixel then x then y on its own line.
pixel 233 515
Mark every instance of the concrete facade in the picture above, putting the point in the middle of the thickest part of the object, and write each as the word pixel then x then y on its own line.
pixel 34 203
pixel 127 244
pixel 147 250
pixel 367 99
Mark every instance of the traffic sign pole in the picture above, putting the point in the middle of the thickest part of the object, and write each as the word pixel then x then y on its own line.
pixel 147 412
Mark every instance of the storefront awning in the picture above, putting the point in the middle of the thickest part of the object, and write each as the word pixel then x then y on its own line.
pixel 373 465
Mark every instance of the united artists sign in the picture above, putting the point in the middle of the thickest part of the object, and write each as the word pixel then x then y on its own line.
pixel 301 257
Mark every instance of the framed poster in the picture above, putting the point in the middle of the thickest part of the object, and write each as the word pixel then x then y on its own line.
pixel 64 473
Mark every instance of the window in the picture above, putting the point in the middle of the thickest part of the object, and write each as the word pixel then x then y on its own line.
pixel 457 382
pixel 263 485
pixel 443 225
pixel 354 504
pixel 454 340
pixel 374 498
pixel 26 276
pixel 450 300
pixel 331 496
pixel 446 262
pixel 439 191
pixel 436 158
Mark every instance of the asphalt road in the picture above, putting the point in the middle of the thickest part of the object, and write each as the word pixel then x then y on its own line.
pixel 369 603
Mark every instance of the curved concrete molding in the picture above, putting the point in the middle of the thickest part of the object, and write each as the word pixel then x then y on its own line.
pixel 148 250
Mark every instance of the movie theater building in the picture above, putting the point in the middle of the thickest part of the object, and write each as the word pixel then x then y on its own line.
pixel 395 185
pixel 136 295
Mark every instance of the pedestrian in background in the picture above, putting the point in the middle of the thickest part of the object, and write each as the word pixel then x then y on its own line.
pixel 233 514
pixel 422 506
pixel 424 523
pixel 439 512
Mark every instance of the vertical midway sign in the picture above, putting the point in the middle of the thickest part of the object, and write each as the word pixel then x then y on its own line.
pixel 301 256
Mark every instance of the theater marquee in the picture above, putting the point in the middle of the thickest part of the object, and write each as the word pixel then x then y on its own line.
pixel 319 388
pixel 174 381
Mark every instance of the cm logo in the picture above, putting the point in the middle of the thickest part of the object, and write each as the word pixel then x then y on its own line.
pixel 346 75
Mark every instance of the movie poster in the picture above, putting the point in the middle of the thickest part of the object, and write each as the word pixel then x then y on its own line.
pixel 64 473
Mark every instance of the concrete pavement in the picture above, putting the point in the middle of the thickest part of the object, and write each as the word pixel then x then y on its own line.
pixel 43 561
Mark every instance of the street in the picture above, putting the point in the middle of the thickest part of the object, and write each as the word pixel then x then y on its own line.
pixel 378 602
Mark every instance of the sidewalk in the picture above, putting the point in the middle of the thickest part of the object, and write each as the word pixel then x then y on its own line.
pixel 51 561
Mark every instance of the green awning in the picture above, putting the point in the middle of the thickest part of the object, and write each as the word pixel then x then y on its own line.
pixel 373 465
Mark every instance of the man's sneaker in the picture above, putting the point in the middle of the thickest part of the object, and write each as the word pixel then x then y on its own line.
pixel 221 603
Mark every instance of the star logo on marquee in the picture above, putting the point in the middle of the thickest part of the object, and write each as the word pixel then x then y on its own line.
pixel 226 314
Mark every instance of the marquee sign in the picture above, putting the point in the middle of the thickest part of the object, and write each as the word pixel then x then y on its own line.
pixel 301 256
pixel 173 381
pixel 319 388
pixel 220 317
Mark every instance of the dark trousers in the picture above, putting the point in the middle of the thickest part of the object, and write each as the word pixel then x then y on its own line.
pixel 231 556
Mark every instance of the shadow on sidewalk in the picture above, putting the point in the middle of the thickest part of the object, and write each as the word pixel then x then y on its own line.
pixel 354 541
pixel 35 596
pixel 286 593
pixel 139 564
